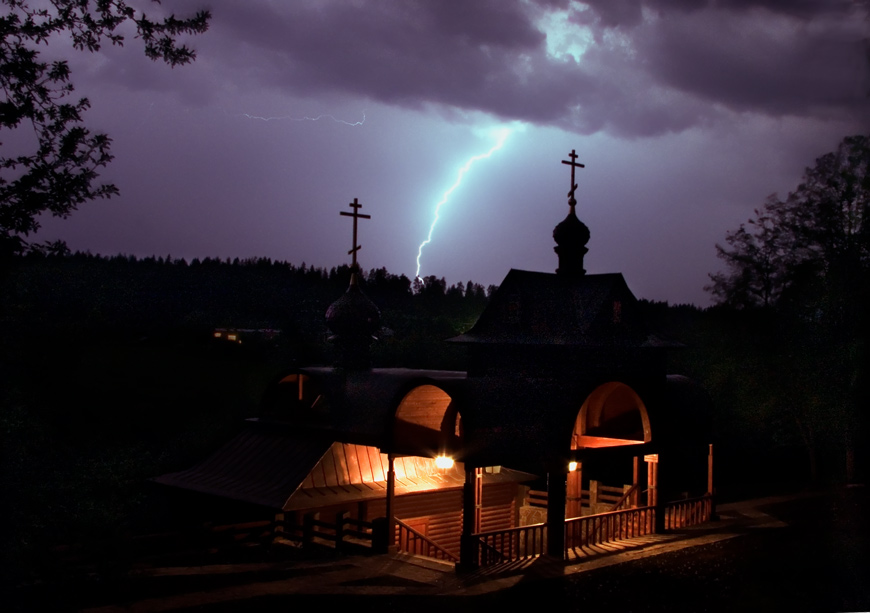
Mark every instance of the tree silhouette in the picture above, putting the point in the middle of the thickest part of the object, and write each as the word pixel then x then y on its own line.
pixel 820 231
pixel 61 173
pixel 807 260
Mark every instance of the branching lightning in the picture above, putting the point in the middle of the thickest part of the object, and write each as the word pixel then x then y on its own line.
pixel 501 134
pixel 318 118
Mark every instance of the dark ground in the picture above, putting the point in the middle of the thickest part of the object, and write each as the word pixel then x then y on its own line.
pixel 819 562
pixel 816 557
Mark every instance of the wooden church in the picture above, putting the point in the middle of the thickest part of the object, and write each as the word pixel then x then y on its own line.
pixel 566 388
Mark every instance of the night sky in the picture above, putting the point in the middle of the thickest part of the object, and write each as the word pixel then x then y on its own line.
pixel 686 113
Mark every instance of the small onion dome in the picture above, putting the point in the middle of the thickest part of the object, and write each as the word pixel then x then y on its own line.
pixel 353 320
pixel 571 231
pixel 571 236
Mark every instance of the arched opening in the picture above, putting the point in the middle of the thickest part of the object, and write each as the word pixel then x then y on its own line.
pixel 427 420
pixel 612 415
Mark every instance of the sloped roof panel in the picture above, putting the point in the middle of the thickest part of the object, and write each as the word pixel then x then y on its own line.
pixel 257 466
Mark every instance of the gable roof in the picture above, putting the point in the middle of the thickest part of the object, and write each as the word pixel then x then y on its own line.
pixel 535 308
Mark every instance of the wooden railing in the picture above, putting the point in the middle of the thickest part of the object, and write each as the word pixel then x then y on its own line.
pixel 413 542
pixel 629 496
pixel 606 527
pixel 344 533
pixel 689 512
pixel 536 498
pixel 511 544
pixel 255 532
pixel 596 496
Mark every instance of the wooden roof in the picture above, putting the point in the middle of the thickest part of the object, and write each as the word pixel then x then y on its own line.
pixel 535 308
pixel 259 466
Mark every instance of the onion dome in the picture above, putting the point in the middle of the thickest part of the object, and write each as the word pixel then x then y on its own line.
pixel 353 320
pixel 571 236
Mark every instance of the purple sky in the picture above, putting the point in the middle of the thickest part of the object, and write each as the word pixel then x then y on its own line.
pixel 686 113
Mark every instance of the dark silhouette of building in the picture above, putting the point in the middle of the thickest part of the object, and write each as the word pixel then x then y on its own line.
pixel 566 386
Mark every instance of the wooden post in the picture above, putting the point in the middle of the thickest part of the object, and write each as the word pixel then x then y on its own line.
pixel 593 496
pixel 710 469
pixel 478 499
pixel 339 530
pixel 472 491
pixel 651 463
pixel 575 492
pixel 391 494
pixel 278 527
pixel 635 481
pixel 308 528
pixel 556 498
pixel 658 499
pixel 710 486
pixel 379 535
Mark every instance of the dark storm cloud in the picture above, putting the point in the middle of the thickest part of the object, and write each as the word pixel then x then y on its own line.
pixel 774 69
pixel 629 13
pixel 652 67
pixel 467 55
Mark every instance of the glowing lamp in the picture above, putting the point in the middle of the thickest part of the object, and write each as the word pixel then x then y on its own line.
pixel 444 461
pixel 572 466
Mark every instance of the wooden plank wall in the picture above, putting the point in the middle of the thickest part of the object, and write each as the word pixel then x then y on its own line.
pixel 438 514
pixel 425 406
pixel 443 511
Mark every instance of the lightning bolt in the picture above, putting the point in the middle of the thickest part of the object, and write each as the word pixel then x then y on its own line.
pixel 502 134
pixel 318 118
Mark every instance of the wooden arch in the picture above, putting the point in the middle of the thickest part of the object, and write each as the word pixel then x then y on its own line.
pixel 612 415
pixel 427 422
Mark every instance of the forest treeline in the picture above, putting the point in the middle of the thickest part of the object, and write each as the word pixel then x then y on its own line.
pixel 155 298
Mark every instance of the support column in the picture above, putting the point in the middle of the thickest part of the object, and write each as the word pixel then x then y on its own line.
pixel 556 498
pixel 472 500
pixel 651 481
pixel 635 481
pixel 710 469
pixel 575 492
pixel 391 494
pixel 710 487
pixel 656 490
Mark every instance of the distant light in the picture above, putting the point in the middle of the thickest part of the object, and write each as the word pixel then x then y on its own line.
pixel 217 334
pixel 572 466
pixel 444 461
pixel 231 337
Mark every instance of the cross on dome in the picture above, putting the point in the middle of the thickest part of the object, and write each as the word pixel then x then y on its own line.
pixel 573 164
pixel 356 206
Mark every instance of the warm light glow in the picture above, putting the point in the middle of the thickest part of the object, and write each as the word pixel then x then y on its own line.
pixel 231 337
pixel 217 334
pixel 572 466
pixel 444 461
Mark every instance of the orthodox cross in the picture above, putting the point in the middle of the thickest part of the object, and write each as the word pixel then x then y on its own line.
pixel 573 164
pixel 356 206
